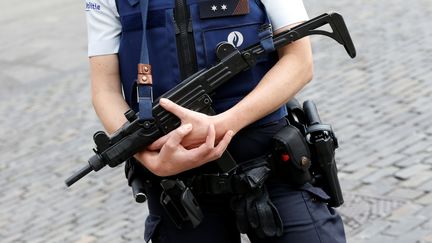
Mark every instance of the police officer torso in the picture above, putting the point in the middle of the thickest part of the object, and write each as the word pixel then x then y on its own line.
pixel 182 37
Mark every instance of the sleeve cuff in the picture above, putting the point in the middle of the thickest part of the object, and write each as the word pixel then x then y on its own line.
pixel 102 47
pixel 283 13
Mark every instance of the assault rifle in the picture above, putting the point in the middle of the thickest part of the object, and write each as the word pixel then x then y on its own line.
pixel 195 94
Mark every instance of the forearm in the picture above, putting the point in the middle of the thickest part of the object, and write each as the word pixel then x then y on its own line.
pixel 107 97
pixel 288 76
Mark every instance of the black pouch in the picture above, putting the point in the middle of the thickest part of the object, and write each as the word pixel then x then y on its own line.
pixel 291 156
pixel 253 208
pixel 180 204
pixel 139 179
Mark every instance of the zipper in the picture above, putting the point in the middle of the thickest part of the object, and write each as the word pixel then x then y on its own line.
pixel 184 39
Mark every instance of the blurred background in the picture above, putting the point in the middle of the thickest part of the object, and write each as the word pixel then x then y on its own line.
pixel 378 105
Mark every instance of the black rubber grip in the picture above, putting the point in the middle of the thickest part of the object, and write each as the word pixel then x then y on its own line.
pixel 311 113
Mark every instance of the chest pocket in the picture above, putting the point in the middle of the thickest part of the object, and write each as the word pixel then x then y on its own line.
pixel 239 30
pixel 242 32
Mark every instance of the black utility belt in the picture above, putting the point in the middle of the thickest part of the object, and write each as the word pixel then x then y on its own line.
pixel 289 162
pixel 178 195
pixel 303 151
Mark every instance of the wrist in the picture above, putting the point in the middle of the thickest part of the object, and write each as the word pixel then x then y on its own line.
pixel 226 121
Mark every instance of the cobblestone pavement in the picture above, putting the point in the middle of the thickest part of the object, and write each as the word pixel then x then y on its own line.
pixel 377 103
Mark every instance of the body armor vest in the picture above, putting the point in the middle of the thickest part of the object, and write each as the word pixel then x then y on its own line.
pixel 181 42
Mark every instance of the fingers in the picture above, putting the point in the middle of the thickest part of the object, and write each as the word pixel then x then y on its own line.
pixel 175 138
pixel 223 144
pixel 173 107
pixel 211 136
pixel 173 158
pixel 207 152
pixel 157 145
pixel 148 159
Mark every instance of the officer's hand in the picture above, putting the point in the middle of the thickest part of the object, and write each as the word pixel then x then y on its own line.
pixel 170 157
pixel 200 123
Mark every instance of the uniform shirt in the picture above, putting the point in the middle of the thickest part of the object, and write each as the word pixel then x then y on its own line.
pixel 104 26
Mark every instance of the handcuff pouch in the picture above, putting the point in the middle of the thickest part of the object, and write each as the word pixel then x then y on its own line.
pixel 291 156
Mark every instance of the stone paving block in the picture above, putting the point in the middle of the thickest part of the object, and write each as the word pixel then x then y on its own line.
pixel 426 199
pixel 114 227
pixel 355 240
pixel 389 160
pixel 415 235
pixel 427 186
pixel 408 172
pixel 393 149
pixel 421 146
pixel 404 193
pixel 428 224
pixel 87 239
pixel 361 173
pixel 13 237
pixel 418 180
pixel 374 189
pixel 373 229
pixel 426 211
pixel 342 175
pixel 359 164
pixel 414 159
pixel 348 184
pixel 405 211
pixel 402 227
pixel 428 158
pixel 375 239
pixel 426 239
pixel 360 210
pixel 378 174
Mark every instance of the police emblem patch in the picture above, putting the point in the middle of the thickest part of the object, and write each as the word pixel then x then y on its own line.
pixel 222 8
pixel 235 38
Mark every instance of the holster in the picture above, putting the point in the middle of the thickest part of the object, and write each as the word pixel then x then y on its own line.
pixel 322 143
pixel 180 204
pixel 176 198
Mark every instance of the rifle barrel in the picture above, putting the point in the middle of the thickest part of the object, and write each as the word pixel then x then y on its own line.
pixel 78 175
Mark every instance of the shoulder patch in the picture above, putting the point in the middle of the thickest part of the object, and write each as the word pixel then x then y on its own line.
pixel 222 8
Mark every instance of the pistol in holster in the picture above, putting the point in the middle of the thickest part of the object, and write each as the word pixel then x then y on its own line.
pixel 308 147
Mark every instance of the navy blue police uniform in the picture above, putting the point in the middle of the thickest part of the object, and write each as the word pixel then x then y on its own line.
pixel 304 213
